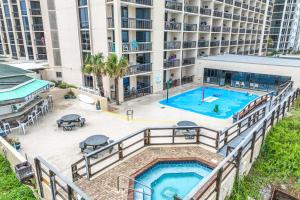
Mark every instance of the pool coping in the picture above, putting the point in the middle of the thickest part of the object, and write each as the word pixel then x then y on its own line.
pixel 209 164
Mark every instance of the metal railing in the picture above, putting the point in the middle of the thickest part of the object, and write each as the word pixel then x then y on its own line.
pixel 136 23
pixel 136 46
pixel 204 28
pixel 217 13
pixel 171 63
pixel 191 8
pixel 142 2
pixel 139 68
pixel 189 27
pixel 173 5
pixel 203 43
pixel 173 26
pixel 188 61
pixel 216 29
pixel 172 45
pixel 110 22
pixel 215 43
pixel 132 189
pixel 60 186
pixel 189 44
pixel 136 93
pixel 205 11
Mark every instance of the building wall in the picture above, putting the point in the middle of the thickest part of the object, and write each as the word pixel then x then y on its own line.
pixel 257 68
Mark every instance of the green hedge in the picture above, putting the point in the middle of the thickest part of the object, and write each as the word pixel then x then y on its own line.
pixel 279 161
pixel 10 187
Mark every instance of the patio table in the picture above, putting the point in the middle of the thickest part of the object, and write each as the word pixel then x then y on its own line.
pixel 188 133
pixel 70 118
pixel 96 141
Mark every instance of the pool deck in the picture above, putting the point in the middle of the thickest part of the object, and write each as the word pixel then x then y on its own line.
pixel 104 186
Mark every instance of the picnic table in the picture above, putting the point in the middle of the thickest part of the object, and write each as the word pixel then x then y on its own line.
pixel 189 133
pixel 96 141
pixel 70 118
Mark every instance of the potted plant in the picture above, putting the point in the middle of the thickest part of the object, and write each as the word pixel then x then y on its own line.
pixel 98 105
pixel 70 95
pixel 15 143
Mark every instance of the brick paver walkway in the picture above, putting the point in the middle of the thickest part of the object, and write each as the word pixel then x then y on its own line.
pixel 104 187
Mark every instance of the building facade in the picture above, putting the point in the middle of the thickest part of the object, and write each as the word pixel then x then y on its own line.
pixel 162 40
pixel 285 26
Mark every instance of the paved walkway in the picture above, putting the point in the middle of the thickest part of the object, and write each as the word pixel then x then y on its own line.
pixel 104 186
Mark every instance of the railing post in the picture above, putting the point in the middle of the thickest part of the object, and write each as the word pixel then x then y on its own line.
pixel 272 118
pixel 149 136
pixel 283 109
pixel 70 192
pixel 225 137
pixel 87 167
pixel 218 140
pixel 238 163
pixel 120 150
pixel 278 113
pixel 173 135
pixel 239 128
pixel 253 145
pixel 38 169
pixel 219 183
pixel 198 135
pixel 289 103
pixel 146 142
pixel 264 131
pixel 52 184
pixel 249 121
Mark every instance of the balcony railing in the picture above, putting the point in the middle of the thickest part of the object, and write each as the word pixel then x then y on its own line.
pixel 172 45
pixel 188 61
pixel 215 43
pixel 110 22
pixel 41 56
pixel 35 11
pixel 248 31
pixel 257 9
pixel 38 27
pixel 243 18
pixel 190 27
pixel 139 68
pixel 224 42
pixel 251 8
pixel 191 8
pixel 137 46
pixel 40 42
pixel 241 42
pixel 142 2
pixel 171 63
pixel 261 21
pixel 173 26
pixel 245 6
pixel 238 4
pixel 250 19
pixel 254 31
pixel 242 30
pixel 173 5
pixel 135 93
pixel 227 15
pixel 216 28
pixel 136 23
pixel 204 28
pixel 189 44
pixel 205 11
pixel 233 42
pixel 203 43
pixel 255 20
pixel 235 30
pixel 236 17
pixel 247 42
pixel 226 29
pixel 252 41
pixel 218 13
pixel 111 47
pixel 229 2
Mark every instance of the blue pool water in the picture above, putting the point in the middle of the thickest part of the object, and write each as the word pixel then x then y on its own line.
pixel 169 178
pixel 229 101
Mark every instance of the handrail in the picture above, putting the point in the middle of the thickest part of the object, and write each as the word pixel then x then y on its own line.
pixel 231 155
pixel 122 175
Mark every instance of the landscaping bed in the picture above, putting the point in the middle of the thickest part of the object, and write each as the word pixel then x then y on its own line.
pixel 278 164
pixel 10 187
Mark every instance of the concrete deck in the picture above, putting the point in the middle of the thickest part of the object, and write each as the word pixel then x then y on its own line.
pixel 104 186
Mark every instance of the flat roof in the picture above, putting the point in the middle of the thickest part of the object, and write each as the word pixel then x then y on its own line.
pixel 8 70
pixel 24 90
pixel 13 81
pixel 29 65
pixel 260 60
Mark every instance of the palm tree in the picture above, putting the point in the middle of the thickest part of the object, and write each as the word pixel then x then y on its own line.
pixel 94 64
pixel 116 68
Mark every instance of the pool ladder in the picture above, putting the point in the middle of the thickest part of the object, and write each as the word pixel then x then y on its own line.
pixel 132 189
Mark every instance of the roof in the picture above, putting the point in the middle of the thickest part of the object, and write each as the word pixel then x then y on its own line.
pixel 24 90
pixel 262 60
pixel 30 65
pixel 7 70
pixel 13 81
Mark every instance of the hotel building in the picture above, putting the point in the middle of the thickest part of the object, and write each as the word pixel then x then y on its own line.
pixel 162 39
pixel 21 30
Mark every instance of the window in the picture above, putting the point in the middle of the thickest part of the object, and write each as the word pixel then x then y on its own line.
pixel 83 17
pixel 82 2
pixel 25 23
pixel 88 81
pixel 125 36
pixel 85 40
pixel 58 75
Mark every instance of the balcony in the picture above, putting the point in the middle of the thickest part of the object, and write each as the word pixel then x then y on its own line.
pixel 41 56
pixel 247 42
pixel 226 29
pixel 135 23
pixel 173 5
pixel 110 22
pixel 172 45
pixel 258 41
pixel 227 15
pixel 203 43
pixel 248 31
pixel 136 93
pixel 241 42
pixel 189 27
pixel 35 11
pixel 235 30
pixel 218 13
pixel 250 19
pixel 262 11
pixel 187 79
pixel 238 4
pixel 251 51
pixel 188 61
pixel 139 68
pixel 257 10
pixel 255 20
pixel 254 31
pixel 171 63
pixel 242 30
pixel 216 29
pixel 189 44
pixel 236 17
pixel 245 6
pixel 191 9
pixel 214 43
pixel 259 31
pixel 205 11
pixel 204 28
pixel 251 8
pixel 233 42
pixel 261 21
pixel 252 41
pixel 37 27
pixel 175 26
pixel 224 42
pixel 136 46
pixel 141 2
pixel 229 2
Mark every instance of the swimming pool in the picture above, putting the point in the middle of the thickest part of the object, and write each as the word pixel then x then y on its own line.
pixel 227 101
pixel 168 178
